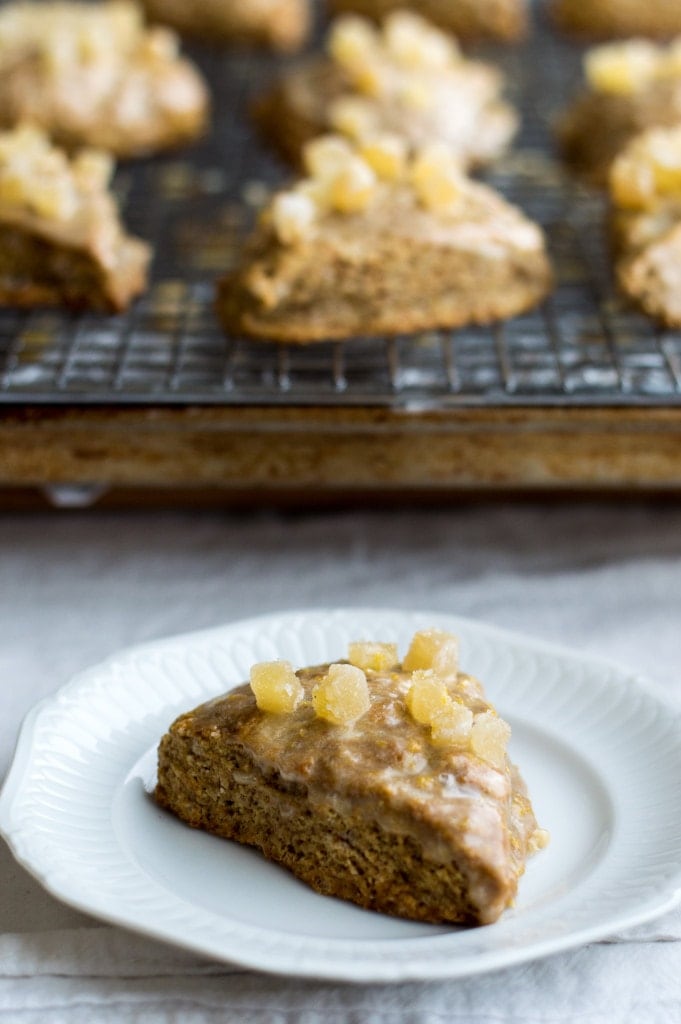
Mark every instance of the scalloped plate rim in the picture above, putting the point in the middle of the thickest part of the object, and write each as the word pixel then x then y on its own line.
pixel 361 971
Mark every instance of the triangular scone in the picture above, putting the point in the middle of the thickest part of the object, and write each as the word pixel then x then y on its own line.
pixel 631 87
pixel 94 75
pixel 381 783
pixel 61 239
pixel 375 242
pixel 645 186
pixel 406 77
pixel 277 24
pixel 505 20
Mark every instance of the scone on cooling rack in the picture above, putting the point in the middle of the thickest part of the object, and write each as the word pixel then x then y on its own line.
pixel 631 86
pixel 406 77
pixel 378 241
pixel 384 783
pixel 505 20
pixel 645 188
pixel 94 75
pixel 282 25
pixel 612 18
pixel 61 239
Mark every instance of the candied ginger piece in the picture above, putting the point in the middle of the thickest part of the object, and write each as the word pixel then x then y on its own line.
pixel 427 696
pixel 342 696
pixel 352 116
pixel 433 649
pixel 452 725
pixel 353 42
pixel 539 840
pixel 436 178
pixel 293 216
pixel 622 68
pixel 414 43
pixel 354 186
pixel 386 154
pixel 373 657
pixel 324 156
pixel 489 738
pixel 648 170
pixel 276 687
pixel 93 169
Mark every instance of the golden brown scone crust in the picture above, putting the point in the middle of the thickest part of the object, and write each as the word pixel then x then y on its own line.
pixel 505 20
pixel 282 25
pixel 605 19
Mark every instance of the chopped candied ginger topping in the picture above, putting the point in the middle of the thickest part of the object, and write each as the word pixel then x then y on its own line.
pixel 437 178
pixel 276 687
pixel 623 69
pixel 427 696
pixel 293 214
pixel 66 34
pixel 342 696
pixel 379 62
pixel 489 738
pixel 346 178
pixel 386 154
pixel 352 116
pixel 373 657
pixel 648 170
pixel 433 649
pixel 430 703
pixel 40 179
pixel 539 840
pixel 453 725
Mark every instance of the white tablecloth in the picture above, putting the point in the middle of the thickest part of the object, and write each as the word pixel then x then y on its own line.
pixel 605 578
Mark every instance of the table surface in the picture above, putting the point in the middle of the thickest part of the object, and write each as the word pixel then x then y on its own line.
pixel 602 577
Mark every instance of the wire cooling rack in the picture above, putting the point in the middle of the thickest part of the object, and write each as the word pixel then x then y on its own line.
pixel 583 347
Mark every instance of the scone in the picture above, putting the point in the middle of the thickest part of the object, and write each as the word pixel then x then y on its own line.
pixel 61 240
pixel 276 24
pixel 645 186
pixel 376 242
pixel 93 75
pixel 631 86
pixel 623 18
pixel 505 20
pixel 406 77
pixel 381 783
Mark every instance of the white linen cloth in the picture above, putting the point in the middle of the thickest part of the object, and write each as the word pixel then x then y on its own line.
pixel 602 577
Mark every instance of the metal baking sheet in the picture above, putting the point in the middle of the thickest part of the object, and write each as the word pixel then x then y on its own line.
pixel 583 347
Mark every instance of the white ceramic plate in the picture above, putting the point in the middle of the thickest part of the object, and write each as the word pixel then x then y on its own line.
pixel 600 750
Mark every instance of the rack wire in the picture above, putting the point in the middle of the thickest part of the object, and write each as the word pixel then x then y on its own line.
pixel 582 347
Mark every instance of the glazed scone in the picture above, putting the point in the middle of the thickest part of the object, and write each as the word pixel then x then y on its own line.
pixel 505 20
pixel 61 239
pixel 618 18
pixel 282 25
pixel 376 242
pixel 631 86
pixel 94 75
pixel 406 77
pixel 645 188
pixel 381 783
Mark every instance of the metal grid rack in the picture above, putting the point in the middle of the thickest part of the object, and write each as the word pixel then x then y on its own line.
pixel 582 348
